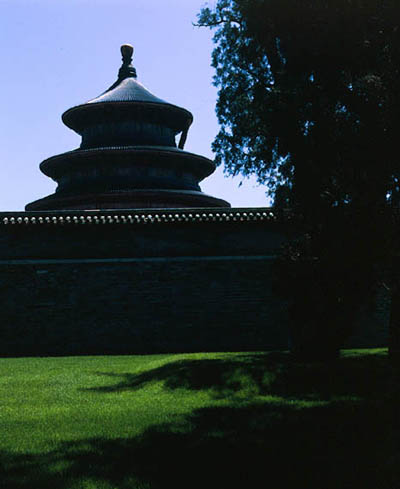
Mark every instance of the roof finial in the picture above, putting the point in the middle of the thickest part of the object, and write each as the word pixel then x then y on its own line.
pixel 126 70
pixel 127 52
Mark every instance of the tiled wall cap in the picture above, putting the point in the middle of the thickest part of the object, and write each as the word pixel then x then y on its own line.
pixel 143 218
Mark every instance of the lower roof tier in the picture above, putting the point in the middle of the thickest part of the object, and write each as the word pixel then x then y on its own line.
pixel 131 199
pixel 127 177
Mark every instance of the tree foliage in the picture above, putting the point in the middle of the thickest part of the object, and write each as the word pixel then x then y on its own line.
pixel 309 96
pixel 308 101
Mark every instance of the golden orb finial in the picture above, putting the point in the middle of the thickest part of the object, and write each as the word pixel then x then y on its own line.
pixel 127 53
pixel 126 70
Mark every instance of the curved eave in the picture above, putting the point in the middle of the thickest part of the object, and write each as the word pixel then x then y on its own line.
pixel 81 116
pixel 156 156
pixel 133 198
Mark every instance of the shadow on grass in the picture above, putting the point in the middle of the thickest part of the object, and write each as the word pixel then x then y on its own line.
pixel 364 377
pixel 343 445
pixel 350 441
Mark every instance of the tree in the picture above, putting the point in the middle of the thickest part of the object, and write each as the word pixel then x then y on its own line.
pixel 309 96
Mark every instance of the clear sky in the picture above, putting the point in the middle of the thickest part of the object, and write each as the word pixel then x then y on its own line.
pixel 59 53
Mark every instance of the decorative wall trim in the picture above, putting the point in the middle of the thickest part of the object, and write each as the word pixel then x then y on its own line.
pixel 158 259
pixel 142 217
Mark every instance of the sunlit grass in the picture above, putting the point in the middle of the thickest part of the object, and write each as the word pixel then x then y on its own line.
pixel 131 421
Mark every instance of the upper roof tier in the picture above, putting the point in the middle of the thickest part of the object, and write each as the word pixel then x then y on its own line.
pixel 128 90
pixel 127 99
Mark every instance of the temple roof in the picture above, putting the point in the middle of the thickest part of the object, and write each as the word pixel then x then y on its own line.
pixel 128 156
pixel 202 167
pixel 127 94
pixel 127 90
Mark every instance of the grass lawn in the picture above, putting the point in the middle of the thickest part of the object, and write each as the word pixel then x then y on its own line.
pixel 206 420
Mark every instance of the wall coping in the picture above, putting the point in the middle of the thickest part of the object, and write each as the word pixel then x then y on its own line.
pixel 142 216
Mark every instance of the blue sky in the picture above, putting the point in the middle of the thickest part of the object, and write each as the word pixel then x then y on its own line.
pixel 59 53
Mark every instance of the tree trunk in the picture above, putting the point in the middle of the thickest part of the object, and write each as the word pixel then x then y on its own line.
pixel 394 325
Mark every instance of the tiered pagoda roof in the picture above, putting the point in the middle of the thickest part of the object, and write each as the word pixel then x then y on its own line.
pixel 128 157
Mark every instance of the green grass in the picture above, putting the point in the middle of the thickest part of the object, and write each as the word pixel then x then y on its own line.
pixel 199 420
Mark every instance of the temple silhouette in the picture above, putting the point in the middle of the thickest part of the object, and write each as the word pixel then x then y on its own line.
pixel 128 157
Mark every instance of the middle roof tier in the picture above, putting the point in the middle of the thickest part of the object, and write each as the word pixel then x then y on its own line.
pixel 127 167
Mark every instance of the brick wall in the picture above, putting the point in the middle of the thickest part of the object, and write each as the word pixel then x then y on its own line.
pixel 137 288
pixel 139 306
